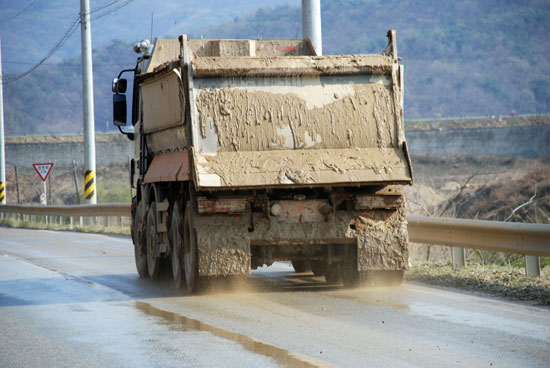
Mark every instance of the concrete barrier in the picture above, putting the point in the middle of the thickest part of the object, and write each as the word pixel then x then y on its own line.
pixel 530 141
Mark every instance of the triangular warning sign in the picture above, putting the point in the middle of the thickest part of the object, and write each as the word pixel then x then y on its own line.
pixel 43 169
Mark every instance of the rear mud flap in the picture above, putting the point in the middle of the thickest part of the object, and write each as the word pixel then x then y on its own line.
pixel 382 244
pixel 223 244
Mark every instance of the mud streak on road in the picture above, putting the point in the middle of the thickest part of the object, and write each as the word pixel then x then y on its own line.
pixel 281 356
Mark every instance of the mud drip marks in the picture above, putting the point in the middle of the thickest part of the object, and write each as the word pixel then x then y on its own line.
pixel 261 121
pixel 379 118
pixel 281 356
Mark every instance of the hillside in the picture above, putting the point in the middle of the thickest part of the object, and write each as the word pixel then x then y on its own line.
pixel 462 58
pixel 24 41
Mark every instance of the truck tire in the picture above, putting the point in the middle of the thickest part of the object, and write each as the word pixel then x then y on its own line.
pixel 140 243
pixel 190 250
pixel 153 260
pixel 177 246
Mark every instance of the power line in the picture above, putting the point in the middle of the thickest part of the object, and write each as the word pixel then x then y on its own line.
pixel 18 14
pixel 106 5
pixel 101 15
pixel 67 35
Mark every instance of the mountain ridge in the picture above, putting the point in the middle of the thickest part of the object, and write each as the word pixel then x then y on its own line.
pixel 462 58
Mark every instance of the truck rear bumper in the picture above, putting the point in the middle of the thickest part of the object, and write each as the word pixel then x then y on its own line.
pixel 262 169
pixel 227 243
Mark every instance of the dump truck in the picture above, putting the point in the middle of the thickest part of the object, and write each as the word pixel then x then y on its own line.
pixel 249 152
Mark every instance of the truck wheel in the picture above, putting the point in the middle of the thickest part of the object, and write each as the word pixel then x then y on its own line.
pixel 140 243
pixel 153 260
pixel 301 266
pixel 190 250
pixel 177 247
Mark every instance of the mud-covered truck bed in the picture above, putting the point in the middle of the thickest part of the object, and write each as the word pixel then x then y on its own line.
pixel 249 152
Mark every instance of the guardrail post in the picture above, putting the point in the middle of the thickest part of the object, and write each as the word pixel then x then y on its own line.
pixel 532 266
pixel 458 257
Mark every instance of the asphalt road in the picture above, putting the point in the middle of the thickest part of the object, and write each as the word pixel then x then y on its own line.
pixel 74 300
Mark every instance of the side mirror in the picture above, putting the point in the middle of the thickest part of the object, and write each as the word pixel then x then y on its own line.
pixel 119 109
pixel 119 85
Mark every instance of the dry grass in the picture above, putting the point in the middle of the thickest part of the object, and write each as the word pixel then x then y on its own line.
pixel 504 281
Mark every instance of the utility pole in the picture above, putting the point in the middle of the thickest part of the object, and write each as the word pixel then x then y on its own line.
pixel 17 184
pixel 2 146
pixel 88 102
pixel 76 183
pixel 311 24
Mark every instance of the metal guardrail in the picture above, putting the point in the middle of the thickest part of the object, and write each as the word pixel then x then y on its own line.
pixel 508 237
pixel 104 209
pixel 531 240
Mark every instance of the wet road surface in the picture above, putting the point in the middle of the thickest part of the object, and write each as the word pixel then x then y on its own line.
pixel 71 299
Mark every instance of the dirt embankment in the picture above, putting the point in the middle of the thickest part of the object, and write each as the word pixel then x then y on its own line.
pixel 490 188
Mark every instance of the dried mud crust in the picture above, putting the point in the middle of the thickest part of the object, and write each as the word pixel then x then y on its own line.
pixel 382 240
pixel 290 65
pixel 223 245
pixel 224 241
pixel 315 166
pixel 358 116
